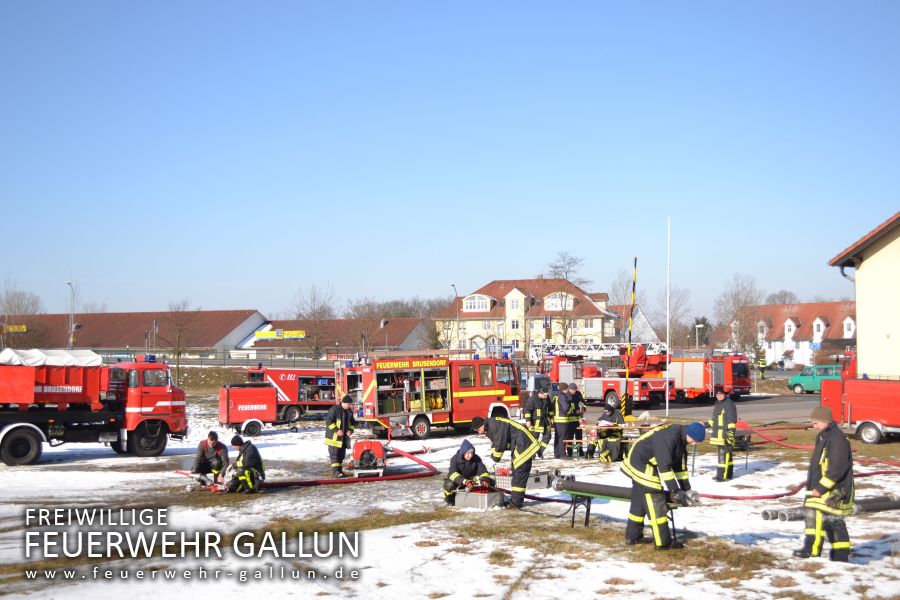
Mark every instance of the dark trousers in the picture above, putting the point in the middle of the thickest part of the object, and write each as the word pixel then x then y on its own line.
pixel 544 437
pixel 561 431
pixel 610 450
pixel 820 525
pixel 519 482
pixel 578 436
pixel 244 480
pixel 337 458
pixel 725 468
pixel 450 491
pixel 646 502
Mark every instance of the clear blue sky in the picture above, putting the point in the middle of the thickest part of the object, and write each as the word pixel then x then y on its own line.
pixel 233 152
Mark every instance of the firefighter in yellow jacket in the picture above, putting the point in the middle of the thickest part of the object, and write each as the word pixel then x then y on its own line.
pixel 829 490
pixel 339 426
pixel 536 418
pixel 724 425
pixel 515 437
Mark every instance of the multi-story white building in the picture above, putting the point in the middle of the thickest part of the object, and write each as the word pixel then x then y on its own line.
pixel 514 314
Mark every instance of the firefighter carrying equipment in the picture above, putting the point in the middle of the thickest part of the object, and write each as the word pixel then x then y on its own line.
pixel 504 435
pixel 831 475
pixel 656 463
pixel 463 472
pixel 249 471
pixel 339 423
pixel 724 426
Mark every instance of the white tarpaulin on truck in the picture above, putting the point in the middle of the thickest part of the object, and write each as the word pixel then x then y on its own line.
pixel 53 358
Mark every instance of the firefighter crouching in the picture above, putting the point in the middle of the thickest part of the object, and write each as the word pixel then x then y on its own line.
pixel 211 459
pixel 829 490
pixel 537 419
pixel 608 445
pixel 339 426
pixel 249 471
pixel 515 437
pixel 723 424
pixel 465 468
pixel 656 464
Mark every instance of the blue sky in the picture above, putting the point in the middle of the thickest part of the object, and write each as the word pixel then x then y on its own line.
pixel 234 152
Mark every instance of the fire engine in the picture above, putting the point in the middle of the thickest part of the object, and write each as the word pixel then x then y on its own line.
pixel 701 374
pixel 646 367
pixel 56 397
pixel 867 406
pixel 274 397
pixel 408 395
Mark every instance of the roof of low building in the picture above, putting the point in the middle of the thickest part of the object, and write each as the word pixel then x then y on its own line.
pixel 847 256
pixel 535 290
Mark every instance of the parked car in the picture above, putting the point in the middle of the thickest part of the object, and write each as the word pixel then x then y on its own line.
pixel 810 379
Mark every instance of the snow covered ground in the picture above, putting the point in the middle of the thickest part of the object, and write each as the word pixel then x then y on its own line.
pixel 429 554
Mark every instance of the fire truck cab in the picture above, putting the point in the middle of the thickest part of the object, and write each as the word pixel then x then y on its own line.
pixel 410 395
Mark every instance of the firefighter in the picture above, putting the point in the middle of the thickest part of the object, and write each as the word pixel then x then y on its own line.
pixel 537 419
pixel 339 426
pixel 563 418
pixel 580 407
pixel 249 471
pixel 465 468
pixel 723 424
pixel 515 437
pixel 657 464
pixel 609 439
pixel 211 458
pixel 761 364
pixel 829 490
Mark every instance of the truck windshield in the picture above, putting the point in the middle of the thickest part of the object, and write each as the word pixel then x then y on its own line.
pixel 740 369
pixel 505 374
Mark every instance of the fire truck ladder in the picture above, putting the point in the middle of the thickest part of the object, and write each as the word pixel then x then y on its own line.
pixel 591 351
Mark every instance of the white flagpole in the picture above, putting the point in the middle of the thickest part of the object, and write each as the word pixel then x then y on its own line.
pixel 668 294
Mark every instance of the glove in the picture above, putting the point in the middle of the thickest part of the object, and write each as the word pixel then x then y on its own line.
pixel 680 497
pixel 469 485
pixel 486 483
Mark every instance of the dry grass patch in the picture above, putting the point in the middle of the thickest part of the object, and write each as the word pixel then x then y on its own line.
pixel 783 582
pixel 797 595
pixel 500 557
pixel 618 581
pixel 426 543
pixel 810 567
pixel 438 594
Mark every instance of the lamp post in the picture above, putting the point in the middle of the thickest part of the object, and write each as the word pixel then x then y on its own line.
pixel 71 342
pixel 697 329
pixel 456 304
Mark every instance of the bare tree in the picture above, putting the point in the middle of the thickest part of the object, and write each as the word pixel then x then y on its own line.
pixel 93 307
pixel 568 267
pixel 679 307
pixel 178 330
pixel 314 305
pixel 620 290
pixel 15 302
pixel 782 297
pixel 739 293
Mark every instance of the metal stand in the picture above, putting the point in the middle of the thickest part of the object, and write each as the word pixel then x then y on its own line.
pixel 584 501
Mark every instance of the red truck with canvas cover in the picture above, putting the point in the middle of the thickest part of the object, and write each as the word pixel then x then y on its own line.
pixel 274 396
pixel 56 397
pixel 699 375
pixel 411 394
pixel 870 407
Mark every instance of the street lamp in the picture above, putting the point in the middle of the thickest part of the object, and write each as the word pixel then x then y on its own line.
pixel 697 329
pixel 456 304
pixel 71 341
pixel 383 323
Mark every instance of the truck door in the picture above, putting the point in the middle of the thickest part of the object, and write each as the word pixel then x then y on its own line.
pixel 464 392
pixel 716 376
pixel 153 387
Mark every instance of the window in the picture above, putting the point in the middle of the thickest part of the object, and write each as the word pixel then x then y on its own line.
pixel 486 375
pixel 588 323
pixel 462 344
pixel 547 322
pixel 514 304
pixel 505 374
pixel 807 371
pixel 769 345
pixel 588 340
pixel 608 329
pixel 558 301
pixel 466 375
pixel 534 324
pixel 818 328
pixel 790 328
pixel 514 324
pixel 476 304
pixel 848 326
pixel 826 371
pixel 486 325
pixel 156 378
pixel 516 344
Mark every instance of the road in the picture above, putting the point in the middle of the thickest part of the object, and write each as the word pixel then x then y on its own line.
pixel 787 407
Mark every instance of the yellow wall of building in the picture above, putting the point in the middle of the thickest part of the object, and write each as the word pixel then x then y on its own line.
pixel 878 308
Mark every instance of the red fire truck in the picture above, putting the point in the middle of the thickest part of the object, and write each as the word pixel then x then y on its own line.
pixel 699 375
pixel 645 381
pixel 52 398
pixel 867 406
pixel 409 395
pixel 275 397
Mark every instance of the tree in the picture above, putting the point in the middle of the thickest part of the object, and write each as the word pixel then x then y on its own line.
pixel 730 305
pixel 568 267
pixel 178 329
pixel 782 297
pixel 700 335
pixel 315 305
pixel 620 290
pixel 93 307
pixel 679 307
pixel 17 303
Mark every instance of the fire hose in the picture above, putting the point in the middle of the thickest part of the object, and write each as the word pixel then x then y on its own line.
pixel 863 505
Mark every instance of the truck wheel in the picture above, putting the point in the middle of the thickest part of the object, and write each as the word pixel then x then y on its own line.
pixel 869 433
pixel 611 398
pixel 252 429
pixel 798 389
pixel 148 439
pixel 21 447
pixel 421 428
pixel 117 447
pixel 292 414
pixel 654 399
